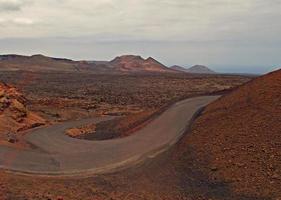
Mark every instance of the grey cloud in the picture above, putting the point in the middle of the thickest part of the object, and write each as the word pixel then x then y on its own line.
pixel 205 31
pixel 11 5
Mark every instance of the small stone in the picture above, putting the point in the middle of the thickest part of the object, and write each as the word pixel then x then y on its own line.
pixel 276 176
pixel 240 164
pixel 214 168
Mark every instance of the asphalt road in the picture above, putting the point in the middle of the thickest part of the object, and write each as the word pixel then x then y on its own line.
pixel 56 154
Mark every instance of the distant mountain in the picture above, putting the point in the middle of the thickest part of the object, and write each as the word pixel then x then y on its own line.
pixel 132 63
pixel 179 68
pixel 41 63
pixel 200 69
pixel 196 69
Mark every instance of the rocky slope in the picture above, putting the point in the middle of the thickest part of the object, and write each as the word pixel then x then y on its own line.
pixel 237 140
pixel 14 115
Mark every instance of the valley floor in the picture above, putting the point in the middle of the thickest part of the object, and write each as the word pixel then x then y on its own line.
pixel 179 173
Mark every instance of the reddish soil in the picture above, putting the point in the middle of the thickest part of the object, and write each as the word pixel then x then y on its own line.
pixel 81 132
pixel 119 127
pixel 14 115
pixel 237 139
pixel 177 174
pixel 68 96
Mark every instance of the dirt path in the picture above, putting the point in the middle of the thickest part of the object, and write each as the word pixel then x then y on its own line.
pixel 58 154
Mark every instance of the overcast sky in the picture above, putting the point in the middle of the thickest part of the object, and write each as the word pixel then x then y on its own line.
pixel 228 35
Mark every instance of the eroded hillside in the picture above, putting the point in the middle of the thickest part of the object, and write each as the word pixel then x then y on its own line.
pixel 14 116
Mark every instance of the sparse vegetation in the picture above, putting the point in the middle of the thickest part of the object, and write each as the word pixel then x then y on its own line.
pixel 134 97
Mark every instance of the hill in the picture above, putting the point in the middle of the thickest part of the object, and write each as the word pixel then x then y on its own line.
pixel 179 68
pixel 200 69
pixel 196 69
pixel 132 63
pixel 237 140
pixel 41 63
pixel 14 115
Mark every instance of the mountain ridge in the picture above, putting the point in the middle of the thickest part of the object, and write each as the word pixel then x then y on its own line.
pixel 120 64
pixel 38 62
pixel 135 63
pixel 196 69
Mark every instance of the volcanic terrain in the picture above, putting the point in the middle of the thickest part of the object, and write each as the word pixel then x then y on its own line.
pixel 133 97
pixel 14 115
pixel 231 152
pixel 131 63
pixel 40 63
pixel 237 140
pixel 121 64
pixel 191 169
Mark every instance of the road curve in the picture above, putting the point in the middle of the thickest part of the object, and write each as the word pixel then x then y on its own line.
pixel 56 154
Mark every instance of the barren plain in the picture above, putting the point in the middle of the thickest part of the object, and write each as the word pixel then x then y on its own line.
pixel 135 99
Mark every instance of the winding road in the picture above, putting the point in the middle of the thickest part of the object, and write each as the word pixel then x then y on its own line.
pixel 56 154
